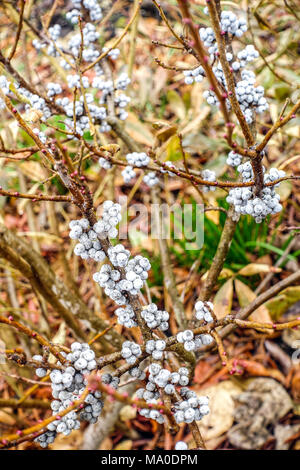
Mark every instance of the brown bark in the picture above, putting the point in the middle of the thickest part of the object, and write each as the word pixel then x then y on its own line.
pixel 65 302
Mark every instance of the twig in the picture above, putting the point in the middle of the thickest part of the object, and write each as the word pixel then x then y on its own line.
pixel 38 427
pixel 10 69
pixel 133 39
pixel 270 275
pixel 277 125
pixel 117 42
pixel 33 334
pixel 34 403
pixel 169 278
pixel 197 435
pixel 227 72
pixel 261 299
pixel 220 256
pixel 35 197
pixel 18 34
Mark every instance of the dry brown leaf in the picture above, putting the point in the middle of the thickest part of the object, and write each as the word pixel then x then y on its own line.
pixel 71 442
pixel 6 418
pixel 256 268
pixel 225 273
pixel 58 338
pixel 139 131
pixel 106 444
pixel 245 297
pixel 264 402
pixel 124 445
pixel 127 413
pixel 223 300
pixel 176 104
pixel 222 404
pixel 33 170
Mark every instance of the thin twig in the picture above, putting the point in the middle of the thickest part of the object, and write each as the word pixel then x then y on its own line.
pixel 18 34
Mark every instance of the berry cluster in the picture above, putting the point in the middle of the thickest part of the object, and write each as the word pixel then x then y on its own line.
pixel 85 44
pixel 128 174
pixel 152 414
pixel 202 311
pixel 104 163
pixel 247 55
pixel 122 81
pixel 92 6
pixel 191 342
pixel 249 97
pixel 41 135
pixel 89 245
pixel 111 216
pixel 160 378
pixel 138 159
pixel 34 101
pixel 155 318
pixel 191 408
pixel 131 352
pixel 118 255
pixel 186 337
pixel 109 278
pixel 234 159
pixel 137 273
pixel 209 175
pixel 46 438
pixel 230 23
pixel 208 37
pixel 67 386
pixel 90 35
pixel 53 89
pixel 163 377
pixel 109 379
pixel 156 348
pixel 115 286
pixel 126 316
pixel 151 179
pixel 246 202
pixel 195 75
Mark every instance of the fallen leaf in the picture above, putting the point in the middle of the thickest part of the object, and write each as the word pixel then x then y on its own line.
pixel 282 433
pixel 223 300
pixel 33 170
pixel 262 404
pixel 225 273
pixel 6 418
pixel 245 297
pixel 255 268
pixel 106 444
pixel 176 104
pixel 279 304
pixel 221 404
pixel 173 149
pixel 127 413
pixel 284 190
pixel 166 132
pixel 124 445
pixel 138 131
pixel 256 369
pixel 59 338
